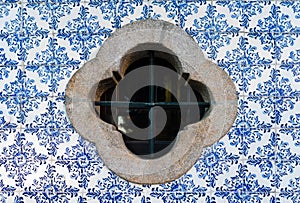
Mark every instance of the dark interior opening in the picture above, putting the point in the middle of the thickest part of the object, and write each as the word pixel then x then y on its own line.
pixel 139 114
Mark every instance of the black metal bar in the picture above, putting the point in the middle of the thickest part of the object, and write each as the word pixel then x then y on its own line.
pixel 149 105
pixel 152 100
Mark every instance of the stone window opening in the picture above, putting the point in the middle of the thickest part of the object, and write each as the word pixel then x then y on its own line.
pixel 146 98
pixel 115 63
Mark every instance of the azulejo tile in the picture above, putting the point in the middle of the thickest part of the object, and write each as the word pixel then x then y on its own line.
pixel 84 33
pixel 32 108
pixel 214 162
pixel 22 34
pixel 179 13
pixel 117 12
pixel 7 128
pixel 275 32
pixel 9 80
pixel 43 43
pixel 232 11
pixel 141 11
pixel 290 66
pixel 51 128
pixel 52 78
pixel 64 14
pixel 81 163
pixel 50 186
pixel 8 59
pixel 111 188
pixel 20 159
pixel 10 111
pixel 243 12
pixel 66 50
pixel 40 77
pixel 212 31
pixel 8 12
pixel 289 188
pixel 242 186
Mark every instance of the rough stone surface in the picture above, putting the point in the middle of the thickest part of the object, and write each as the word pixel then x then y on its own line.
pixel 82 89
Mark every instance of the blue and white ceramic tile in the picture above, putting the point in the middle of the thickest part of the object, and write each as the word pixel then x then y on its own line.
pixel 43 43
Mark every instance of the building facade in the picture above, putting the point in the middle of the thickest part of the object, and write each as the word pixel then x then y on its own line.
pixel 43 43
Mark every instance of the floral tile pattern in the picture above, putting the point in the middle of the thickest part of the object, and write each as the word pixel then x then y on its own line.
pixel 44 42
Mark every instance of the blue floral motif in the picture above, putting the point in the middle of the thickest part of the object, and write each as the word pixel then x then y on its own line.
pixel 19 199
pixel 275 152
pixel 84 33
pixel 244 132
pixel 4 10
pixel 292 128
pixel 51 187
pixel 294 5
pixel 51 128
pixel 6 128
pixel 274 91
pixel 180 190
pixel 21 96
pixel 244 10
pixel 58 66
pixel 82 161
pixel 6 62
pixel 9 65
pixel 146 13
pixel 212 31
pixel 22 34
pixel 115 11
pixel 244 60
pixel 114 189
pixel 214 162
pixel 51 11
pixel 21 159
pixel 179 10
pixel 271 32
pixel 6 191
pixel 293 64
pixel 292 190
pixel 243 187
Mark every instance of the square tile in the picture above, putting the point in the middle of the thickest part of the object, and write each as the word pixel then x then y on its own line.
pixel 40 16
pixel 39 77
pixel 258 13
pixel 288 83
pixel 11 110
pixel 43 54
pixel 289 185
pixel 140 11
pixel 9 12
pixel 60 77
pixel 67 48
pixel 287 109
pixel 291 9
pixel 12 81
pixel 36 112
pixel 163 10
pixel 232 11
pixel 264 147
pixel 70 17
pixel 8 57
pixel 243 12
pixel 261 81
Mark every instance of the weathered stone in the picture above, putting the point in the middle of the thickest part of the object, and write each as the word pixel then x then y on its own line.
pixel 217 88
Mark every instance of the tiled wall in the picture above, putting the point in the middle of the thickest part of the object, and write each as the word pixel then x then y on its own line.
pixel 43 42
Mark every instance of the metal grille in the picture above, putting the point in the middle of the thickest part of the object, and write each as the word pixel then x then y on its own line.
pixel 140 104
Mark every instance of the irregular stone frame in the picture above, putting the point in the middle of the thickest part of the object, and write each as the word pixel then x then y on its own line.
pixel 82 88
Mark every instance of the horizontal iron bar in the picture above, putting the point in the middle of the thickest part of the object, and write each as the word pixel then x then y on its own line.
pixel 147 104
